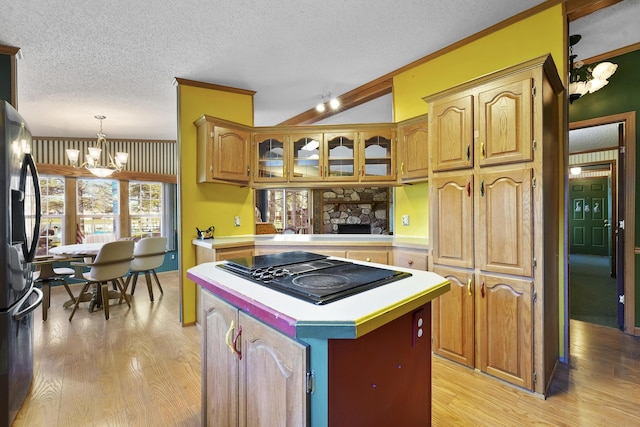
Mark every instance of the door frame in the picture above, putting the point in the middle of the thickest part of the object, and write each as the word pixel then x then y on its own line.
pixel 628 180
pixel 613 184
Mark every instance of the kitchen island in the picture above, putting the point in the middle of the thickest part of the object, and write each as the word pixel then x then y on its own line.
pixel 362 360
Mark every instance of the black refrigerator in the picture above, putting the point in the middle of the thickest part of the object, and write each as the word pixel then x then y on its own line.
pixel 19 224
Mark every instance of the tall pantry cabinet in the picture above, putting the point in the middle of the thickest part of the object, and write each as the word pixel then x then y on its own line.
pixel 496 144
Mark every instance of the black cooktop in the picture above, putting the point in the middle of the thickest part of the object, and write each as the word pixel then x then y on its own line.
pixel 312 277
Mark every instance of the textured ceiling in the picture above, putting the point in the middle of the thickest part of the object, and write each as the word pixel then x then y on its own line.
pixel 593 138
pixel 119 58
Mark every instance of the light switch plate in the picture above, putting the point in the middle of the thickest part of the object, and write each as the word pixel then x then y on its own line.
pixel 236 221
pixel 405 219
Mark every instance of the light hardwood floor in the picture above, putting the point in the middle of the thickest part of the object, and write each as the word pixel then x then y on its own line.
pixel 141 368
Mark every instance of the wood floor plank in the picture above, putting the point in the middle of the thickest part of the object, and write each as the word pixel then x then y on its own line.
pixel 142 368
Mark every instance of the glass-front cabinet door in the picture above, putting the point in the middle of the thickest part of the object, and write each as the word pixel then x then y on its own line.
pixel 377 155
pixel 306 162
pixel 341 156
pixel 271 158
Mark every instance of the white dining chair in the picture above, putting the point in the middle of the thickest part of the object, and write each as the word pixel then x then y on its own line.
pixel 147 256
pixel 110 266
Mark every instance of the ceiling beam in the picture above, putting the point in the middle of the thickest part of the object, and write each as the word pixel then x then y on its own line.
pixel 580 8
pixel 365 93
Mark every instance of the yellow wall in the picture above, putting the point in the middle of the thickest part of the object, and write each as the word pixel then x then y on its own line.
pixel 202 205
pixel 535 36
pixel 412 200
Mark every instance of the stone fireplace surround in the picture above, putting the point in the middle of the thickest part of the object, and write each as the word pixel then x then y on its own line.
pixel 366 205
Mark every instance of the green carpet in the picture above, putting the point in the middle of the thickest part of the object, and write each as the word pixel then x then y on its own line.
pixel 592 292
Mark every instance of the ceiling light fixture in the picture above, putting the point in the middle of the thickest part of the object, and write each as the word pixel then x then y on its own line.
pixel 94 163
pixel 334 103
pixel 588 79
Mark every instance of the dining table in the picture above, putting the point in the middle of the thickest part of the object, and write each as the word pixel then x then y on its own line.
pixel 88 251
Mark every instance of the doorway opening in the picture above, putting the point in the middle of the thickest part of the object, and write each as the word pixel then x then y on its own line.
pixel 601 222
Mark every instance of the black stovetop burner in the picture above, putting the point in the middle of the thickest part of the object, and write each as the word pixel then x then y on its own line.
pixel 311 277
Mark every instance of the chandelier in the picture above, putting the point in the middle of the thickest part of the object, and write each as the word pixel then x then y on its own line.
pixel 588 79
pixel 94 163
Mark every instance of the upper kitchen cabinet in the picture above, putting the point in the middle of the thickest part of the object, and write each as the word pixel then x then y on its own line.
pixel 340 156
pixel 377 155
pixel 306 157
pixel 413 149
pixel 452 130
pixel 223 151
pixel 271 157
pixel 320 156
pixel 505 122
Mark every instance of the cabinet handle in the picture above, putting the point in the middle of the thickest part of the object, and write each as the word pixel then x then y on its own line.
pixel 248 171
pixel 362 173
pixel 469 152
pixel 482 188
pixel 285 171
pixel 482 153
pixel 227 337
pixel 482 289
pixel 469 286
pixel 236 343
pixel 469 189
pixel 402 168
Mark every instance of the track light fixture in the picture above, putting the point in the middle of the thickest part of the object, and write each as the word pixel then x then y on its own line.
pixel 326 98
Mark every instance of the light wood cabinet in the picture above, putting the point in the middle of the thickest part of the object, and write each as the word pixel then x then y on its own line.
pixel 454 317
pixel 377 158
pixel 413 148
pixel 452 220
pixel 271 157
pixel 251 373
pixel 410 258
pixel 376 255
pixel 223 151
pixel 452 132
pixel 324 156
pixel 495 225
pixel 505 328
pixel 505 121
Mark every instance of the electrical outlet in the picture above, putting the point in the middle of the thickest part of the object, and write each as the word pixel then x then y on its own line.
pixel 405 220
pixel 418 332
pixel 236 221
pixel 173 256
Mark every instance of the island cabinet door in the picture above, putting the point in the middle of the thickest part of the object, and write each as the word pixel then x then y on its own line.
pixel 219 364
pixel 273 374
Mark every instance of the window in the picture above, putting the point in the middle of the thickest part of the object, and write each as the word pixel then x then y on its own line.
pixel 52 225
pixel 98 206
pixel 287 209
pixel 145 209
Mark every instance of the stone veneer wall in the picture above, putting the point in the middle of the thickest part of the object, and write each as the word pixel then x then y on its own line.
pixel 368 205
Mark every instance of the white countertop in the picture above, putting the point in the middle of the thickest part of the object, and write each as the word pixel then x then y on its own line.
pixel 350 317
pixel 314 240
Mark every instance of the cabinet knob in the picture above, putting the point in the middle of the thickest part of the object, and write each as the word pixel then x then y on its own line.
pixel 410 262
pixel 368 260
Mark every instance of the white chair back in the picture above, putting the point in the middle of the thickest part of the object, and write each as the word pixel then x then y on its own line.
pixel 149 253
pixel 100 238
pixel 112 261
